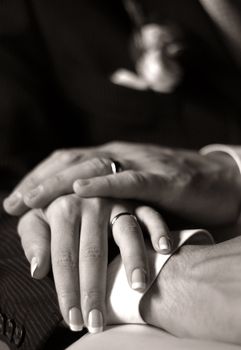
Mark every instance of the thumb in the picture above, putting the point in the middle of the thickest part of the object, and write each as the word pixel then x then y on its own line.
pixel 35 239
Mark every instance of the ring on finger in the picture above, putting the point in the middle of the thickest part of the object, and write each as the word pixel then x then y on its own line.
pixel 116 217
pixel 116 166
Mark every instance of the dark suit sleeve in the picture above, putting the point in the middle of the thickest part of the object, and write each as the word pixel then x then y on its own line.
pixel 29 310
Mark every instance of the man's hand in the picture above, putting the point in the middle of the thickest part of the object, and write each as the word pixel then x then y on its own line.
pixel 198 293
pixel 204 189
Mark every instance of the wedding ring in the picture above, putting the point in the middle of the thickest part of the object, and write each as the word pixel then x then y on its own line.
pixel 115 218
pixel 115 166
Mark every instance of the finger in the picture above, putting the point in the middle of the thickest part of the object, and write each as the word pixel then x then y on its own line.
pixel 126 184
pixel 93 263
pixel 56 162
pixel 64 219
pixel 156 228
pixel 62 182
pixel 35 239
pixel 129 238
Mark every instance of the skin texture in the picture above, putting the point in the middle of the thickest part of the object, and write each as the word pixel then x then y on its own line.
pixel 72 235
pixel 198 293
pixel 182 182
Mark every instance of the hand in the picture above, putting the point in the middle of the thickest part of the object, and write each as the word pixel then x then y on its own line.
pixel 52 171
pixel 198 293
pixel 182 182
pixel 72 233
pixel 54 177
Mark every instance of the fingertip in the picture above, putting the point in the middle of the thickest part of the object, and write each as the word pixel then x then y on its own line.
pixel 39 267
pixel 164 245
pixel 95 321
pixel 138 279
pixel 79 186
pixel 13 204
pixel 76 186
pixel 34 266
pixel 75 319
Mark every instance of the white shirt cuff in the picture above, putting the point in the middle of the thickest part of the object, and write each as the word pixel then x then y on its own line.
pixel 232 151
pixel 122 301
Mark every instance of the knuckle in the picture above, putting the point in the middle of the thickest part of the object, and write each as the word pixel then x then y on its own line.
pixel 75 157
pixel 92 294
pixel 91 252
pixel 92 299
pixel 109 145
pixel 95 204
pixel 65 259
pixel 58 178
pixel 150 213
pixel 100 165
pixel 67 294
pixel 69 157
pixel 136 177
pixel 31 181
pixel 183 181
pixel 57 153
pixel 114 145
pixel 65 155
pixel 67 206
pixel 143 210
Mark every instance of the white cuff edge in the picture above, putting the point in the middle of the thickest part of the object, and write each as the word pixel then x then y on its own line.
pixel 230 150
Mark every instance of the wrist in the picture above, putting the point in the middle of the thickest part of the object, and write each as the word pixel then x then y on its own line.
pixel 228 156
pixel 161 305
pixel 229 160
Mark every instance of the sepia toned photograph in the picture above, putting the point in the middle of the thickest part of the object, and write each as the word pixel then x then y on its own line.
pixel 120 174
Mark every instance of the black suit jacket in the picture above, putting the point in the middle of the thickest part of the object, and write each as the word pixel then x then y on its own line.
pixel 56 58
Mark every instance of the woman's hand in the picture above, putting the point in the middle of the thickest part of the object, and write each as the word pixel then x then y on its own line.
pixel 72 234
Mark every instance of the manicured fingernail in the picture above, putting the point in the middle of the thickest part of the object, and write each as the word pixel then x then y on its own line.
pixel 34 266
pixel 95 321
pixel 75 319
pixel 138 280
pixel 164 245
pixel 34 193
pixel 13 200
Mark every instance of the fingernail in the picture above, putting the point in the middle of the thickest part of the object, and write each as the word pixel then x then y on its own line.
pixel 13 200
pixel 34 193
pixel 75 319
pixel 164 245
pixel 138 280
pixel 34 266
pixel 95 321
